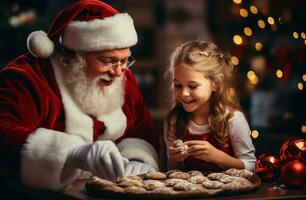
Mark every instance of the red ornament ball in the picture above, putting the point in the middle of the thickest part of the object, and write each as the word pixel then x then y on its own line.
pixel 293 149
pixel 293 174
pixel 268 167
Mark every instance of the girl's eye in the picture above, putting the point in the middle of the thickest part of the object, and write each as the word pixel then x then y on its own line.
pixel 193 86
pixel 177 86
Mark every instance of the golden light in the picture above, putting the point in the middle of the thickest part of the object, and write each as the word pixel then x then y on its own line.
pixel 237 1
pixel 247 31
pixel 254 134
pixel 271 159
pixel 304 77
pixel 300 144
pixel 252 77
pixel 305 42
pixel 303 129
pixel 261 24
pixel 258 46
pixel 300 86
pixel 303 35
pixel 253 9
pixel 295 35
pixel 237 39
pixel 279 73
pixel 243 12
pixel 235 60
pixel 271 20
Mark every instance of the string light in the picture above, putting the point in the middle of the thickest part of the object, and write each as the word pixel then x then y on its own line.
pixel 247 31
pixel 303 35
pixel 237 39
pixel 303 128
pixel 300 86
pixel 270 20
pixel 258 46
pixel 237 1
pixel 243 12
pixel 234 60
pixel 255 134
pixel 261 24
pixel 252 77
pixel 253 10
pixel 304 77
pixel 279 73
pixel 295 35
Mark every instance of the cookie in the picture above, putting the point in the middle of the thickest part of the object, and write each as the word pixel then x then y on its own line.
pixel 195 173
pixel 129 183
pixel 152 184
pixel 126 178
pixel 212 184
pixel 135 190
pixel 171 182
pixel 100 181
pixel 179 175
pixel 198 179
pixel 216 176
pixel 155 175
pixel 182 185
pixel 239 173
pixel 163 190
pixel 179 144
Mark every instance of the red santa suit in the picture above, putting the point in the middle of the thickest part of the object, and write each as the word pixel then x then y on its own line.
pixel 40 122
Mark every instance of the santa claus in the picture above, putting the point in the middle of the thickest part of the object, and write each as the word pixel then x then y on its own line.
pixel 72 105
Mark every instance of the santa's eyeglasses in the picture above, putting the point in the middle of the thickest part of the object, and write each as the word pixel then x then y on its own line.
pixel 124 63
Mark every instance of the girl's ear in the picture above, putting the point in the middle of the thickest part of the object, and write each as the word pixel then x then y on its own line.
pixel 215 85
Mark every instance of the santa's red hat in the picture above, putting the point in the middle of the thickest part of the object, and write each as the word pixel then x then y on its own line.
pixel 86 25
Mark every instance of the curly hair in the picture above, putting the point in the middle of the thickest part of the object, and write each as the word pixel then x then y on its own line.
pixel 204 56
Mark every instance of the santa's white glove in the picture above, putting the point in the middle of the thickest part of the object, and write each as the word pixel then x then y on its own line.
pixel 136 168
pixel 102 158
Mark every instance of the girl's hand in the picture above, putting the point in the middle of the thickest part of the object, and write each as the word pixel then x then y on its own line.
pixel 202 150
pixel 176 154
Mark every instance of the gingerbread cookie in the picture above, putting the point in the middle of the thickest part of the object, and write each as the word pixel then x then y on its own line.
pixel 179 144
pixel 155 175
pixel 179 175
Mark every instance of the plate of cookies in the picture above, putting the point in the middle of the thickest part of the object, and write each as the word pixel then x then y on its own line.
pixel 175 184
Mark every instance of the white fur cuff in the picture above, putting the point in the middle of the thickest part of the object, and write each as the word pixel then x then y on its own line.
pixel 43 157
pixel 135 148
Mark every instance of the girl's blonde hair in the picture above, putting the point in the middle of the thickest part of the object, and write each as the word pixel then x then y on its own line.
pixel 206 57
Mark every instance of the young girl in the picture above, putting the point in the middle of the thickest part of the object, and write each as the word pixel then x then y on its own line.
pixel 206 115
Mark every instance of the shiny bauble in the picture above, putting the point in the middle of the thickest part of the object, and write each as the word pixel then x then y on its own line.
pixel 268 167
pixel 293 174
pixel 293 149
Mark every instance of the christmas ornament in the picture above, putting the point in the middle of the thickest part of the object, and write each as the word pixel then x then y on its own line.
pixel 268 167
pixel 293 174
pixel 293 149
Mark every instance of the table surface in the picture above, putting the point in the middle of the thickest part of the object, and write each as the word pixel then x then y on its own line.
pixel 77 191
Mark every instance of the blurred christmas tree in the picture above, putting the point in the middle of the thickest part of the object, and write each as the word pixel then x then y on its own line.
pixel 269 43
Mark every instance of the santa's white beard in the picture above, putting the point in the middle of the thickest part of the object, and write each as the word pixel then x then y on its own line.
pixel 88 95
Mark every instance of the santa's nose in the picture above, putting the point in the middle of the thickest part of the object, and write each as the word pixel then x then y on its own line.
pixel 117 72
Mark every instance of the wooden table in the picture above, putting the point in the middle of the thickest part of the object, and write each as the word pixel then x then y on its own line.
pixel 15 190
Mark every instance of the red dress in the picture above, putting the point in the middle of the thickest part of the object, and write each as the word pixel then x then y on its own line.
pixel 192 163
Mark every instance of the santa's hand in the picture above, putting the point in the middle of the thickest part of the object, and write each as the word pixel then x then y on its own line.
pixel 136 168
pixel 102 158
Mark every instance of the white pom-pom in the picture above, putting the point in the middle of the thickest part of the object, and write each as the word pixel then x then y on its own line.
pixel 40 45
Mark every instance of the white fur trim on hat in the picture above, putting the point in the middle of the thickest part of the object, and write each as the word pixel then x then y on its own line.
pixel 43 158
pixel 40 45
pixel 113 32
pixel 139 149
